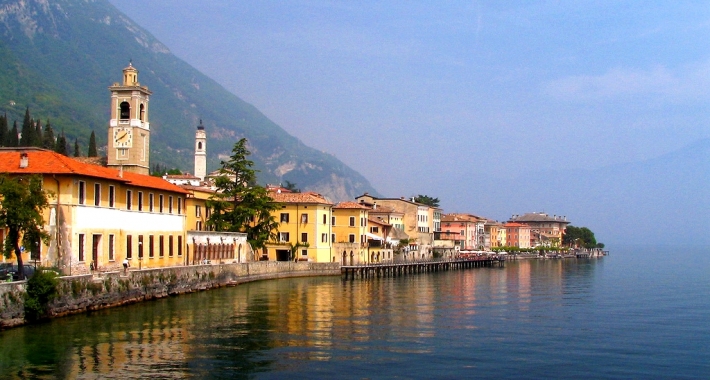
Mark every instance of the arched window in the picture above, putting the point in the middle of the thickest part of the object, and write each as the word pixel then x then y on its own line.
pixel 125 111
pixel 142 110
pixel 199 145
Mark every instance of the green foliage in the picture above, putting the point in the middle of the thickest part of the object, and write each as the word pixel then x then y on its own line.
pixel 92 146
pixel 240 205
pixel 3 129
pixel 21 205
pixel 291 187
pixel 13 139
pixel 77 151
pixel 48 140
pixel 61 146
pixel 41 290
pixel 160 170
pixel 427 200
pixel 579 237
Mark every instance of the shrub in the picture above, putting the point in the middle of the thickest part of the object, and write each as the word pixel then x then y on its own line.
pixel 41 289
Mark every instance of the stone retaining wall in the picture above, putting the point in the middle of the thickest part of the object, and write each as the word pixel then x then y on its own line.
pixel 79 294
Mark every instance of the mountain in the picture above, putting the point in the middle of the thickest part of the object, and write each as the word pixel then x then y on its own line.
pixel 663 200
pixel 58 57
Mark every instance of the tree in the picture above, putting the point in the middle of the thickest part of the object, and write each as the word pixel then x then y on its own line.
pixel 48 137
pixel 22 201
pixel 12 138
pixel 579 236
pixel 92 145
pixel 427 200
pixel 28 130
pixel 292 187
pixel 240 205
pixel 38 137
pixel 77 151
pixel 61 146
pixel 3 129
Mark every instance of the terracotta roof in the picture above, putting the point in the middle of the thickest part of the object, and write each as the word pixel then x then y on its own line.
pixel 459 218
pixel 307 197
pixel 378 221
pixel 384 210
pixel 43 162
pixel 513 224
pixel 180 176
pixel 350 205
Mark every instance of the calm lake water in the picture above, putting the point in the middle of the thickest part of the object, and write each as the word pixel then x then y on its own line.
pixel 638 313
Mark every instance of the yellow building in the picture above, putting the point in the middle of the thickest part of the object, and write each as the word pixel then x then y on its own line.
pixel 98 216
pixel 350 232
pixel 305 231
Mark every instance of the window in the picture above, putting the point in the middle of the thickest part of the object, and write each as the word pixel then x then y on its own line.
pixel 129 246
pixel 129 199
pixel 304 252
pixel 284 217
pixel 82 192
pixel 170 204
pixel 140 246
pixel 304 237
pixel 111 239
pixel 151 246
pixel 140 201
pixel 81 247
pixel 351 238
pixel 151 202
pixel 332 220
pixel 283 237
pixel 362 222
pixel 325 219
pixel 111 196
pixel 179 245
pixel 198 211
pixel 198 226
pixel 324 238
pixel 179 205
pixel 125 111
pixel 170 245
pixel 352 221
pixel 374 230
pixel 160 203
pixel 304 218
pixel 463 232
pixel 161 247
pixel 97 194
pixel 332 238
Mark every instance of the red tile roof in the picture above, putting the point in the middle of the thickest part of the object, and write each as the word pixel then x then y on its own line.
pixel 307 197
pixel 44 162
pixel 350 205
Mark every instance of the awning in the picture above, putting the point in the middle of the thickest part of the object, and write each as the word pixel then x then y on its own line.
pixel 372 236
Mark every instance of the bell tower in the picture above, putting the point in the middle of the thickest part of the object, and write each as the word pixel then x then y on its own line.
pixel 200 152
pixel 129 129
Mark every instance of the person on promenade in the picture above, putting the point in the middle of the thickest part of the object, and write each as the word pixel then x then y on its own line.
pixel 125 266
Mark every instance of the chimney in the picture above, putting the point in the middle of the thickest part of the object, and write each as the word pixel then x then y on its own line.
pixel 24 160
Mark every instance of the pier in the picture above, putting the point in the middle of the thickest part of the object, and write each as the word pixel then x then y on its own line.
pixel 405 268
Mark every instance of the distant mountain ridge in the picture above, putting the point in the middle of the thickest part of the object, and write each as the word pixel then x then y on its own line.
pixel 59 57
pixel 664 200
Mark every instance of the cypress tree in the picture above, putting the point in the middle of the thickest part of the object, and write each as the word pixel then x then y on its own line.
pixel 3 129
pixel 12 139
pixel 39 140
pixel 61 146
pixel 92 146
pixel 28 128
pixel 77 153
pixel 48 137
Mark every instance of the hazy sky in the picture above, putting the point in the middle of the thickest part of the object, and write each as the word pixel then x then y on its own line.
pixel 430 97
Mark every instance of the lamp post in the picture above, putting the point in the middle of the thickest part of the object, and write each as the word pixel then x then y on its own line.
pixel 140 255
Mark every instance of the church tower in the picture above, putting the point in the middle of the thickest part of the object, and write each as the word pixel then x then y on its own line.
pixel 200 152
pixel 129 129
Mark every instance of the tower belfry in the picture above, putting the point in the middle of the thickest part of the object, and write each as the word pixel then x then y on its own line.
pixel 129 128
pixel 200 152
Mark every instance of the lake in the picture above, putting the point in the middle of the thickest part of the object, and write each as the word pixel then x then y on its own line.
pixel 638 313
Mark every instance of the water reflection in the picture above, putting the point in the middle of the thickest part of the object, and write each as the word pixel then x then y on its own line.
pixel 288 325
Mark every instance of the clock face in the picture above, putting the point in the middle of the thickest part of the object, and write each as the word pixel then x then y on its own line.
pixel 122 137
